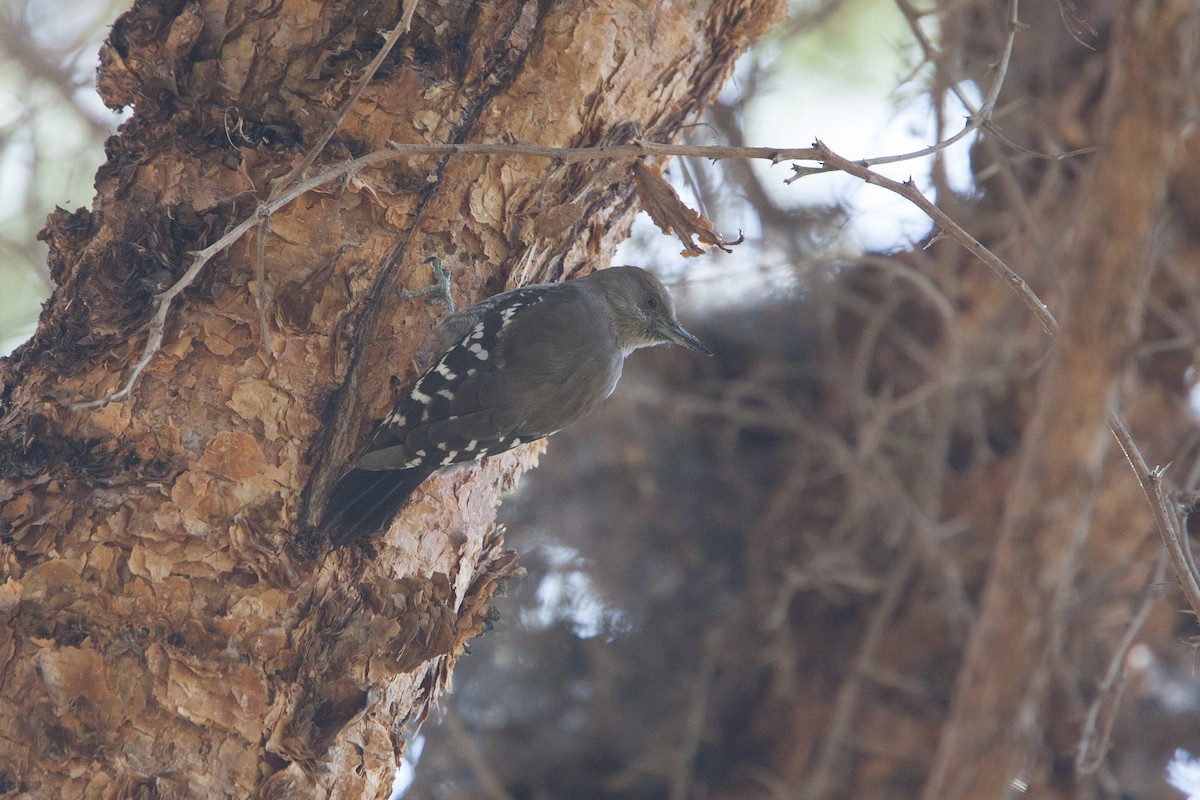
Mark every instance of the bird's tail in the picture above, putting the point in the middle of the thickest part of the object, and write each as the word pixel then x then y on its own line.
pixel 364 501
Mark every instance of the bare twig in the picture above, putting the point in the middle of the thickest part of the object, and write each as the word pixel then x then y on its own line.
pixel 1093 742
pixel 285 192
pixel 162 302
pixel 260 275
pixel 1165 519
pixel 292 176
pixel 571 155
pixel 908 190
pixel 389 42
pixel 978 118
pixel 913 18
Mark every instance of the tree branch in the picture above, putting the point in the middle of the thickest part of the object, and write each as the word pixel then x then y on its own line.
pixel 819 152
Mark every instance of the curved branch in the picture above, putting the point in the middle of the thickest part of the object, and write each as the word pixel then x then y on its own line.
pixel 1150 480
pixel 978 118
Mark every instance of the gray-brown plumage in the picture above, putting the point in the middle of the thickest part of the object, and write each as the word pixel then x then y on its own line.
pixel 508 370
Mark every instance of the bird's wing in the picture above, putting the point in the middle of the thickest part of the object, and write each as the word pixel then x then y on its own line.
pixel 463 345
pixel 454 327
pixel 554 363
pixel 440 443
pixel 523 370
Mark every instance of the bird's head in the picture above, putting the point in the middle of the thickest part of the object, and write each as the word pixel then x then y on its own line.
pixel 642 310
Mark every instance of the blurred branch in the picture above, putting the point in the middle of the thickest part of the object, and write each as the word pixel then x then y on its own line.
pixel 1150 480
pixel 19 46
pixel 465 746
pixel 978 117
pixel 1097 729
pixel 822 782
pixel 693 732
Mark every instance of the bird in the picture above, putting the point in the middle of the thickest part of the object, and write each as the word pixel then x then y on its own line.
pixel 511 369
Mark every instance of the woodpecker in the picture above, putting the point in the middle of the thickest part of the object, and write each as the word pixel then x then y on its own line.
pixel 509 370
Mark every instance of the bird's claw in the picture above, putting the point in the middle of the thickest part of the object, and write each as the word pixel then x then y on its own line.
pixel 440 287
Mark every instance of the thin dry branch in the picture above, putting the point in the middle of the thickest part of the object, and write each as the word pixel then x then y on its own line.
pixel 1166 520
pixel 954 81
pixel 389 42
pixel 978 118
pixel 909 191
pixel 162 305
pixel 1150 480
pixel 162 302
pixel 293 175
pixel 1097 728
pixel 260 277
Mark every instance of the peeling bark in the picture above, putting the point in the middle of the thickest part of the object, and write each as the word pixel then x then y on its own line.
pixel 166 631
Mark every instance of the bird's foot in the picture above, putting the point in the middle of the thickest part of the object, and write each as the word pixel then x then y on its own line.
pixel 440 287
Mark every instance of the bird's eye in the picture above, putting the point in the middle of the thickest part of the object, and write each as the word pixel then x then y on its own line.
pixel 650 303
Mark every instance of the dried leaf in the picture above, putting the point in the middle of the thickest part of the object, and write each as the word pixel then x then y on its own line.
pixel 671 215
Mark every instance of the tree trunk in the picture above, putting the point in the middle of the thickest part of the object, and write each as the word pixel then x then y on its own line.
pixel 167 629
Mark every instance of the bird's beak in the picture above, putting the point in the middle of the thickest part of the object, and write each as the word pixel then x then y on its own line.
pixel 675 333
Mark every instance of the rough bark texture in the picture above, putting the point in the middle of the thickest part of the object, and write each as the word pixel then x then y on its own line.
pixel 164 633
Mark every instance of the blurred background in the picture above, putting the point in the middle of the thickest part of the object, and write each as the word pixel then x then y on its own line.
pixel 753 575
pixel 52 131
